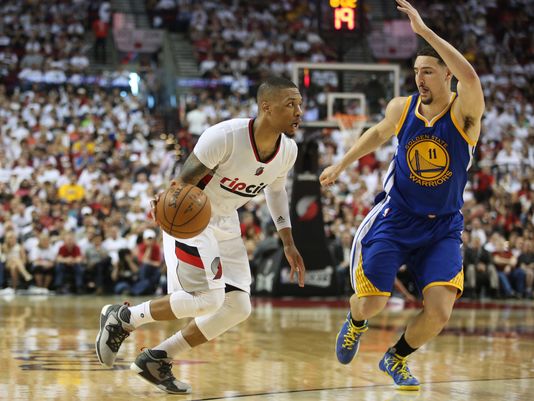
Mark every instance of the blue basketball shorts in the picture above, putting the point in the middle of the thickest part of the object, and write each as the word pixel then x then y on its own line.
pixel 389 238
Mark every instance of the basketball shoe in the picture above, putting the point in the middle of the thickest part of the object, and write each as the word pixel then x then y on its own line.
pixel 155 366
pixel 348 340
pixel 115 327
pixel 395 366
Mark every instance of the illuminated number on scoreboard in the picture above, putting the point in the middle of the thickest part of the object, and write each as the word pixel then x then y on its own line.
pixel 344 13
pixel 344 16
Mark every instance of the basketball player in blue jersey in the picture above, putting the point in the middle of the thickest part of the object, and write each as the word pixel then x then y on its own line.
pixel 418 219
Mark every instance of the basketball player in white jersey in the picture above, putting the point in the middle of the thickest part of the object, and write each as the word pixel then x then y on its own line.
pixel 209 275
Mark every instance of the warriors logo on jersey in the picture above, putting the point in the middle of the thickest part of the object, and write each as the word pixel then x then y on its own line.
pixel 428 160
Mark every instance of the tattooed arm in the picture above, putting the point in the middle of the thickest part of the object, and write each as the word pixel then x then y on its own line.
pixel 192 171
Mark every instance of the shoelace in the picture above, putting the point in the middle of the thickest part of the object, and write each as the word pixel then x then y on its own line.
pixel 116 336
pixel 165 370
pixel 352 335
pixel 398 365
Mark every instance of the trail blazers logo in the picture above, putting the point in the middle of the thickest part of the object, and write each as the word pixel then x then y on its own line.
pixel 307 208
pixel 428 160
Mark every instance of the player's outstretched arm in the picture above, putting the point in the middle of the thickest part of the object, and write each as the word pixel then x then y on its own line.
pixel 371 140
pixel 470 94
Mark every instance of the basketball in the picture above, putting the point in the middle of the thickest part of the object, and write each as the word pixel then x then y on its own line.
pixel 183 211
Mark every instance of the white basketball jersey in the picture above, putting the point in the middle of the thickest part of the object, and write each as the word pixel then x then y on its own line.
pixel 228 148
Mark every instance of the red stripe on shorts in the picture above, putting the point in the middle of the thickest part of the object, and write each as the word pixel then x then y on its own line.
pixel 188 258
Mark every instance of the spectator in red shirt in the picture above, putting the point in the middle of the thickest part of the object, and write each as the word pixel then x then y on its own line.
pixel 69 260
pixel 100 30
pixel 249 226
pixel 148 255
pixel 483 185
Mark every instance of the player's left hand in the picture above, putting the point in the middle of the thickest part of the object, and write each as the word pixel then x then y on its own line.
pixel 296 262
pixel 418 26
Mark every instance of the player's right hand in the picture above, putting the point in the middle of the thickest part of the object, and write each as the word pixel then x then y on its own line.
pixel 330 175
pixel 418 26
pixel 154 202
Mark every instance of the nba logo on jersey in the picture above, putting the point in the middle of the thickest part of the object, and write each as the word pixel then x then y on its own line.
pixel 259 171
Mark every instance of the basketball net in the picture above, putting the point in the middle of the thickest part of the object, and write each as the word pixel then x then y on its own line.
pixel 351 126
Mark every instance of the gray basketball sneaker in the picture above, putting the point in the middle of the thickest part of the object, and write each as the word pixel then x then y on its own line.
pixel 114 328
pixel 155 367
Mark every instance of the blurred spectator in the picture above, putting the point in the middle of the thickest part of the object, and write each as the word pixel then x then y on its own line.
pixel 69 266
pixel 98 265
pixel 249 227
pixel 15 259
pixel 100 32
pixel 197 120
pixel 149 259
pixel 113 243
pixel 525 262
pixel 124 272
pixel 42 258
pixel 72 191
pixel 512 279
pixel 481 276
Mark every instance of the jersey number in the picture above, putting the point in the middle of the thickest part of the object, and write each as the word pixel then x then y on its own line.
pixel 432 153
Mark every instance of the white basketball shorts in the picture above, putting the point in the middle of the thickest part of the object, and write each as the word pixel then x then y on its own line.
pixel 212 259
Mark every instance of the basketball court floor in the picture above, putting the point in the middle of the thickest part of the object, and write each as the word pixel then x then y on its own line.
pixel 285 351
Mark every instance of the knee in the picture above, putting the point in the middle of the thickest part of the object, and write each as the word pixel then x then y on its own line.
pixel 238 303
pixel 210 301
pixel 438 316
pixel 367 307
pixel 184 304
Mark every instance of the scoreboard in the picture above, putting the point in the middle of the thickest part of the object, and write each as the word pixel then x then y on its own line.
pixel 340 16
pixel 344 14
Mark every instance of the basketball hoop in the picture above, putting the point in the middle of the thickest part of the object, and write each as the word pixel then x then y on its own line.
pixel 351 125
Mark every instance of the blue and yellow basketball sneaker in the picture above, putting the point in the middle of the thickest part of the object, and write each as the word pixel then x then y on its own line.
pixel 395 366
pixel 348 340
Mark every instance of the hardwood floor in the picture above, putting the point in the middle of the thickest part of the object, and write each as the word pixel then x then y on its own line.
pixel 285 351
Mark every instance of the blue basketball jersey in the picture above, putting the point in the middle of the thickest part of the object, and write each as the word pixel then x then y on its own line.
pixel 428 173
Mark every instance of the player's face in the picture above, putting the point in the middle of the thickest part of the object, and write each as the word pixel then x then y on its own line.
pixel 286 111
pixel 432 78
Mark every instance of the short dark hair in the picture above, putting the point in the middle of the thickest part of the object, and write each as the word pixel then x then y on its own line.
pixel 429 51
pixel 272 84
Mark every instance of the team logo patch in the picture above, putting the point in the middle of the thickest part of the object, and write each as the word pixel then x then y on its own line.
pixel 259 171
pixel 307 208
pixel 428 160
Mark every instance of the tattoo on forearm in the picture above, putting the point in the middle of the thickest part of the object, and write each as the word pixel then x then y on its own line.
pixel 193 170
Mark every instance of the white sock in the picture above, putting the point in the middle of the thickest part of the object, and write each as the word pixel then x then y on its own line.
pixel 174 345
pixel 140 314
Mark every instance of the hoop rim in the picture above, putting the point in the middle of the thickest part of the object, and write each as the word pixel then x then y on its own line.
pixel 350 121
